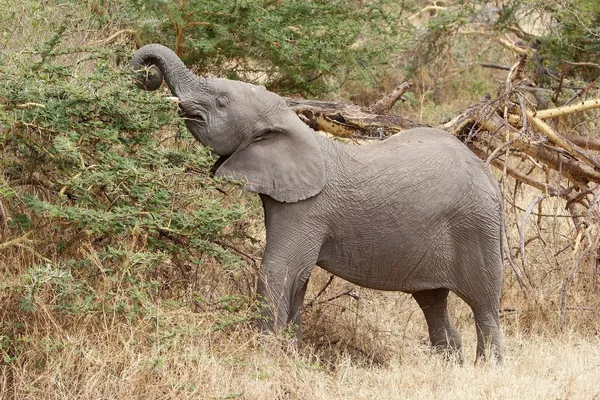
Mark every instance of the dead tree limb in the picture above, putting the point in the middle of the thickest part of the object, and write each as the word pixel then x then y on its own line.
pixel 386 102
pixel 348 120
pixel 561 111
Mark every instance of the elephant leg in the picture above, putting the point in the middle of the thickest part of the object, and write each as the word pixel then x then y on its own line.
pixel 442 333
pixel 273 300
pixel 489 337
pixel 295 317
pixel 483 296
pixel 281 287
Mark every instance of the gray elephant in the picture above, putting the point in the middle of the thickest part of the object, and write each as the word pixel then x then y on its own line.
pixel 417 213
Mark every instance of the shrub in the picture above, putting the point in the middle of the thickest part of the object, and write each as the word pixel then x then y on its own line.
pixel 106 201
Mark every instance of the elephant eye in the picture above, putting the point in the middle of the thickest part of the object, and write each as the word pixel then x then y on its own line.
pixel 222 100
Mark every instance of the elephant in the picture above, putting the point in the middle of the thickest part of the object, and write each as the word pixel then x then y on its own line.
pixel 417 212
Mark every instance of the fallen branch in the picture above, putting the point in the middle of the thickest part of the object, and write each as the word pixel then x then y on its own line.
pixel 561 111
pixel 573 149
pixel 348 120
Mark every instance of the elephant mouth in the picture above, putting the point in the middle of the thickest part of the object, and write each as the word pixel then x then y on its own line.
pixel 198 118
pixel 190 111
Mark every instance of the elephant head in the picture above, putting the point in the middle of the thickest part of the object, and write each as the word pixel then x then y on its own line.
pixel 261 141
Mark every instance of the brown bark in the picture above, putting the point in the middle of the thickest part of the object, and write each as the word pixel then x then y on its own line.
pixel 348 120
pixel 386 102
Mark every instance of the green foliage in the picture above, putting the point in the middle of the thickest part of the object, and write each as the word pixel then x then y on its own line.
pixel 85 170
pixel 573 35
pixel 307 47
pixel 88 142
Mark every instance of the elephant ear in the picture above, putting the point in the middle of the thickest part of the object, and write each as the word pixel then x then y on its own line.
pixel 286 165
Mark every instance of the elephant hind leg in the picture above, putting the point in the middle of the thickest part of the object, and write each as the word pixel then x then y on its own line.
pixel 485 303
pixel 442 333
pixel 489 338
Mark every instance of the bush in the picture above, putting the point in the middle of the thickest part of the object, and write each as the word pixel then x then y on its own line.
pixel 106 181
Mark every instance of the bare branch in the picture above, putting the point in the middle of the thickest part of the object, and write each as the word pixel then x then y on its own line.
pixel 561 111
pixel 511 46
pixel 386 102
pixel 496 66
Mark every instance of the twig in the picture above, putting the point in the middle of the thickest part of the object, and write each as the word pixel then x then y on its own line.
pixel 581 308
pixel 507 310
pixel 583 90
pixel 331 277
pixel 21 106
pixel 512 263
pixel 20 241
pixel 511 46
pixel 582 64
pixel 114 36
pixel 348 292
pixel 563 302
pixel 496 66
pixel 240 252
pixel 524 222
pixel 386 102
pixel 523 130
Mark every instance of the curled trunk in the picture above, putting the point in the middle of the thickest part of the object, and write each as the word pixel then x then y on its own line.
pixel 154 62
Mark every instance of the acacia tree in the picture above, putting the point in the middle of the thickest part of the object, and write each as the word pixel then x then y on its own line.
pixel 306 47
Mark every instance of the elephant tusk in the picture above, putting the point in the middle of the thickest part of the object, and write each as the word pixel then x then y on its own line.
pixel 173 99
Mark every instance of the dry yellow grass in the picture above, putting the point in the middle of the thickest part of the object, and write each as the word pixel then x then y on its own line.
pixel 178 356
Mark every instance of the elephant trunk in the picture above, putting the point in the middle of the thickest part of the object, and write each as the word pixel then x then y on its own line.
pixel 160 61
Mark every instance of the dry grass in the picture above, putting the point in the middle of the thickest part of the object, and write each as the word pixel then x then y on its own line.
pixel 176 355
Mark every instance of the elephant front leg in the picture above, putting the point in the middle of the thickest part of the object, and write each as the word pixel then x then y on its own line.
pixel 295 315
pixel 274 300
pixel 280 291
